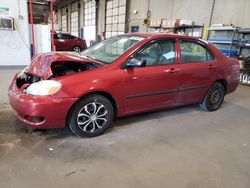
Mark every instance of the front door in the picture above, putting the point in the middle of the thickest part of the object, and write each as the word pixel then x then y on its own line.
pixel 155 84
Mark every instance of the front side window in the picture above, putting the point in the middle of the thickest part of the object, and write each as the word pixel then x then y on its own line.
pixel 158 53
pixel 194 52
pixel 109 50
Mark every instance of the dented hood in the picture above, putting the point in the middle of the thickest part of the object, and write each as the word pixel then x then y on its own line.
pixel 41 63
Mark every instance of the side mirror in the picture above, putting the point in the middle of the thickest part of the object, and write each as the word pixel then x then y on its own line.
pixel 135 62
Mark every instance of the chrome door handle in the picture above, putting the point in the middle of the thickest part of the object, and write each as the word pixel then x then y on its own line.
pixel 172 70
pixel 211 67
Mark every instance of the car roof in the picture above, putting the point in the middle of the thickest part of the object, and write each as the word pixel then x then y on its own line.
pixel 159 35
pixel 62 33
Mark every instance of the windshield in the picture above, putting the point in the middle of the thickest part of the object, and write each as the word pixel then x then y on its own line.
pixel 109 50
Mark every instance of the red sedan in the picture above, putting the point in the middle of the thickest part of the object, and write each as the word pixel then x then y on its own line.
pixel 120 76
pixel 67 42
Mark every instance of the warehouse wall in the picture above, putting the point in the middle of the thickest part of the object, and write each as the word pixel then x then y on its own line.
pixel 15 45
pixel 58 20
pixel 225 11
pixel 101 17
pixel 235 12
pixel 81 21
pixel 170 9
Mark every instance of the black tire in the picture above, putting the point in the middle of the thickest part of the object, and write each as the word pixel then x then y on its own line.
pixel 77 49
pixel 85 120
pixel 214 98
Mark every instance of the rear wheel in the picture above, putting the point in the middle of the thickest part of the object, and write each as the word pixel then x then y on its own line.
pixel 77 49
pixel 214 98
pixel 91 116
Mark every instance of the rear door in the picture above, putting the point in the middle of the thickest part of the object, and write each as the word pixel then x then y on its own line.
pixel 197 71
pixel 154 85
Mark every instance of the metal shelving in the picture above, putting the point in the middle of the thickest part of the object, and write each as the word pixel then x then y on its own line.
pixel 177 26
pixel 190 30
pixel 245 77
pixel 243 53
pixel 244 42
pixel 224 38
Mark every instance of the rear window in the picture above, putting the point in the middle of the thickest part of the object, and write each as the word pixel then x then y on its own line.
pixel 194 52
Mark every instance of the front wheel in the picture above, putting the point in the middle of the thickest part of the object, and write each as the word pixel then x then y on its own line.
pixel 214 98
pixel 91 116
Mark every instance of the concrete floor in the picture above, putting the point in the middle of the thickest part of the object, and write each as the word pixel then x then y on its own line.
pixel 178 148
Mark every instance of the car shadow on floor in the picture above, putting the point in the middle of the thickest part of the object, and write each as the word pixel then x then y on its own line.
pixel 10 125
pixel 163 113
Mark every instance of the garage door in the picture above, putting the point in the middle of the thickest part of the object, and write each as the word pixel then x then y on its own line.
pixel 74 24
pixel 115 17
pixel 64 24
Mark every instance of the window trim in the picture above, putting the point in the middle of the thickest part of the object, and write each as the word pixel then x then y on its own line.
pixel 199 43
pixel 174 40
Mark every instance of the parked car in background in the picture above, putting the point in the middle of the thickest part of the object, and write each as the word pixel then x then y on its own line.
pixel 67 42
pixel 120 76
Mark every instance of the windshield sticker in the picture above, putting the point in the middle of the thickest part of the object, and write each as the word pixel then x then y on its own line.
pixel 169 55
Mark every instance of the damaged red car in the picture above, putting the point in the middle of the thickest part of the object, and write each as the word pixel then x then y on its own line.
pixel 120 76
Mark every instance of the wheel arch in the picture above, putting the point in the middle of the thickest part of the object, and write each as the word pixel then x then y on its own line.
pixel 105 94
pixel 224 83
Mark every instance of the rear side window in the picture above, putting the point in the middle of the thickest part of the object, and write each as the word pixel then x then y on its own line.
pixel 194 52
pixel 66 37
pixel 71 37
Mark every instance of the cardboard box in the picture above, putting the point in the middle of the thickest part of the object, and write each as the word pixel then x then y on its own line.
pixel 155 23
pixel 186 22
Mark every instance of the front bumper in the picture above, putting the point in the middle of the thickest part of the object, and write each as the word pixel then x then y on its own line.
pixel 47 111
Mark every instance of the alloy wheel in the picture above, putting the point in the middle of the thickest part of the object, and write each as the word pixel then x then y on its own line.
pixel 92 117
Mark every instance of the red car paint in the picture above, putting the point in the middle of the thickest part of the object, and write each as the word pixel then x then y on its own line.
pixel 41 63
pixel 133 90
pixel 66 42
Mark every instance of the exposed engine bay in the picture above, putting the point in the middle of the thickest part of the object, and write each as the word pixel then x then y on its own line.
pixel 58 69
pixel 66 68
pixel 25 78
